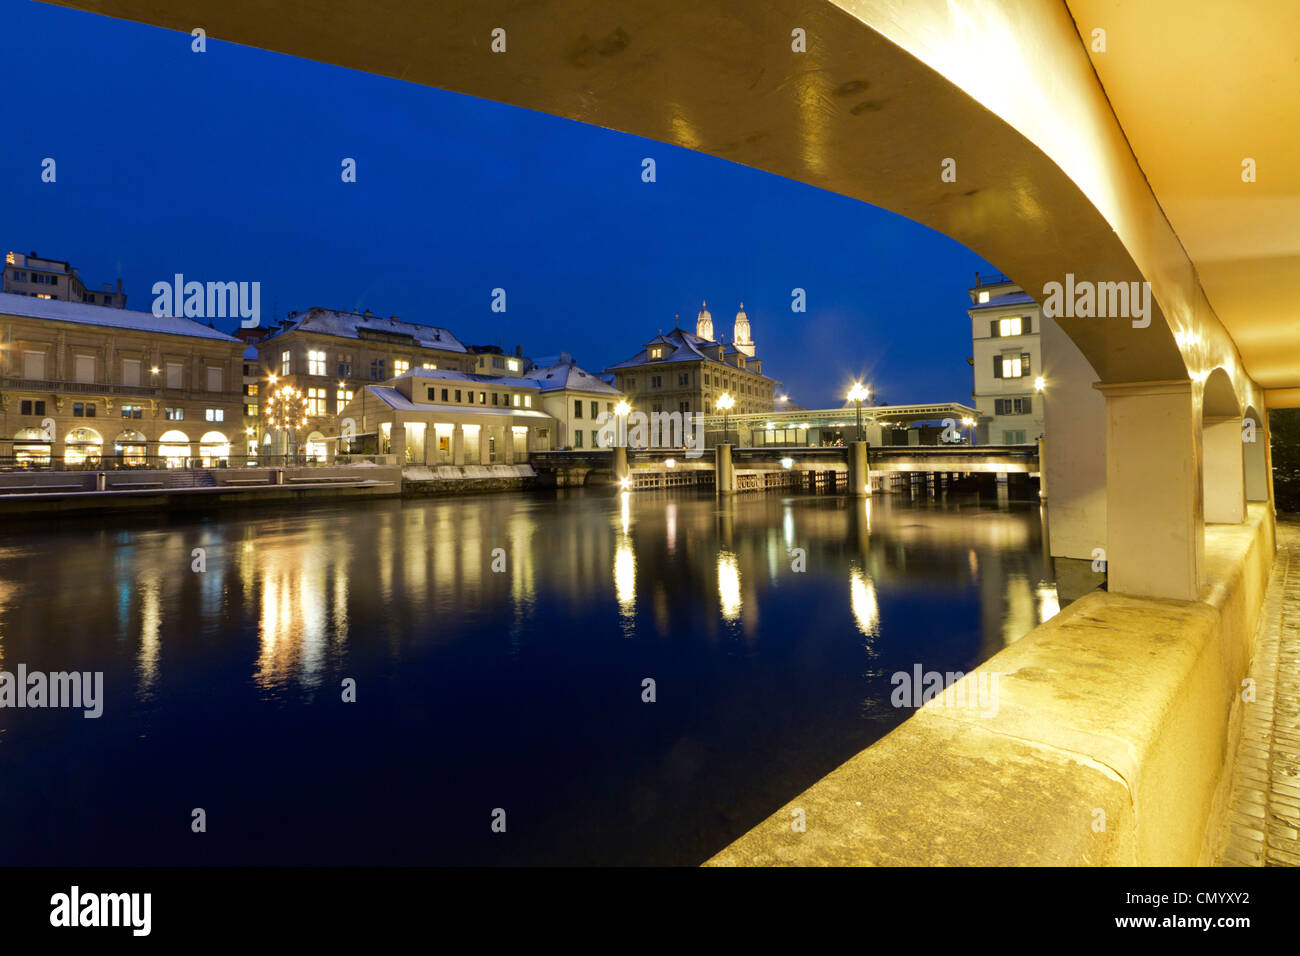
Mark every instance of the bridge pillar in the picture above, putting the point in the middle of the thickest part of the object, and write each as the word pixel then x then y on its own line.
pixel 1155 527
pixel 859 476
pixel 724 478
pixel 621 469
pixel 1224 473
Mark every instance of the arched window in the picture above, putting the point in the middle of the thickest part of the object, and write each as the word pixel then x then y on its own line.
pixel 82 447
pixel 174 448
pixel 214 449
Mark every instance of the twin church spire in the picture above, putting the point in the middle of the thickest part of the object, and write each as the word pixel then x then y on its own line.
pixel 740 337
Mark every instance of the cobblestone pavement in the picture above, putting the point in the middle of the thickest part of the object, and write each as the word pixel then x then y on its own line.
pixel 1263 821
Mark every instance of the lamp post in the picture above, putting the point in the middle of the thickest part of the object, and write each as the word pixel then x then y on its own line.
pixel 970 424
pixel 726 403
pixel 857 394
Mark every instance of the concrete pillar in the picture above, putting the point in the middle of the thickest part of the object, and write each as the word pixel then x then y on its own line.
pixel 1155 527
pixel 457 444
pixel 725 474
pixel 397 442
pixel 1042 471
pixel 1255 458
pixel 859 475
pixel 621 469
pixel 1223 472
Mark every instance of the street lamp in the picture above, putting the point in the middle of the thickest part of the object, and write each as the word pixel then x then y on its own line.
pixel 726 403
pixel 1039 384
pixel 969 423
pixel 857 395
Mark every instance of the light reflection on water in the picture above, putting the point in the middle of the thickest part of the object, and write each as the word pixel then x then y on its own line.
pixel 473 682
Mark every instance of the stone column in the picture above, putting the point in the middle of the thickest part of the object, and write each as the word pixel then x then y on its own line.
pixel 859 476
pixel 397 442
pixel 724 479
pixel 457 444
pixel 1155 527
pixel 1224 478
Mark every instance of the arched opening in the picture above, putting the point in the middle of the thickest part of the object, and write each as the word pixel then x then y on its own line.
pixel 131 447
pixel 214 449
pixel 1223 486
pixel 83 448
pixel 31 448
pixel 316 448
pixel 1254 453
pixel 174 449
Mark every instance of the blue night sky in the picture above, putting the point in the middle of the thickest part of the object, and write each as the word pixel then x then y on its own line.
pixel 225 166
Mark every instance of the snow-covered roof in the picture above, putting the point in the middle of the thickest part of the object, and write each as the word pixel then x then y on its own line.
pixel 349 325
pixel 566 375
pixel 687 347
pixel 399 402
pixel 1008 298
pixel 83 313
pixel 453 375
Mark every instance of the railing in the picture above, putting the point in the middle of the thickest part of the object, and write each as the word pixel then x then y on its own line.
pixel 79 388
pixel 10 463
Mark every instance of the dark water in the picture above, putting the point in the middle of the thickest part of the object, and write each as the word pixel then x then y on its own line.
pixel 478 689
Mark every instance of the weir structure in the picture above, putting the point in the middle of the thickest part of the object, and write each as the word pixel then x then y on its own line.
pixel 1082 139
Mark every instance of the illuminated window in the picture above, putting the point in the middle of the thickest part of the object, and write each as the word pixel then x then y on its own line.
pixel 983 297
pixel 400 366
pixel 315 401
pixel 528 401
pixel 1010 326
pixel 315 363
pixel 429 365
pixel 215 414
pixel 341 398
pixel 513 365
pixel 285 364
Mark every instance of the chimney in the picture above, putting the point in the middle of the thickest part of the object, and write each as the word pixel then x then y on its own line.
pixel 519 351
pixel 119 285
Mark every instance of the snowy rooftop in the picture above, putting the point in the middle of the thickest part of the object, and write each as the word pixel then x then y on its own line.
pixel 452 375
pixel 1009 298
pixel 349 325
pixel 563 375
pixel 686 347
pixel 81 313
pixel 396 400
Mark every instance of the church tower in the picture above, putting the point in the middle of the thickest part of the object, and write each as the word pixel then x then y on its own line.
pixel 741 338
pixel 704 324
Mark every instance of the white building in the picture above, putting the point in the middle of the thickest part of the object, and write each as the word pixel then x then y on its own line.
pixel 1006 329
pixel 575 399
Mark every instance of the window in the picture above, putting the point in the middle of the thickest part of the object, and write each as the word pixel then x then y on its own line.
pixel 429 365
pixel 133 411
pixel 286 363
pixel 1013 406
pixel 316 401
pixel 344 395
pixel 684 378
pixel 315 363
pixel 1016 437
pixel 495 396
pixel 577 408
pixel 33 365
pixel 377 370
pixel 214 379
pixel 215 414
pixel 458 395
pixel 1011 366
pixel 250 388
pixel 595 409
pixel 30 407
pixel 175 375
pixel 482 398
pixel 84 368
pixel 657 352
pixel 401 366
pixel 174 414
pixel 345 364
pixel 513 365
pixel 130 371
pixel 250 411
pixel 444 394
pixel 88 297
pixel 83 409
pixel 683 407
pixel 595 440
pixel 514 400
pixel 656 381
pixel 577 439
pixel 528 401
pixel 1009 326
pixel 470 396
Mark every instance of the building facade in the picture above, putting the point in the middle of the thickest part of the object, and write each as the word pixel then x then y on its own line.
pixel 330 356
pixel 1006 331
pixel 54 279
pixel 83 385
pixel 687 372
pixel 578 401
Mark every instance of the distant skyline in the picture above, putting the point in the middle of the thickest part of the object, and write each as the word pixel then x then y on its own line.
pixel 225 166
